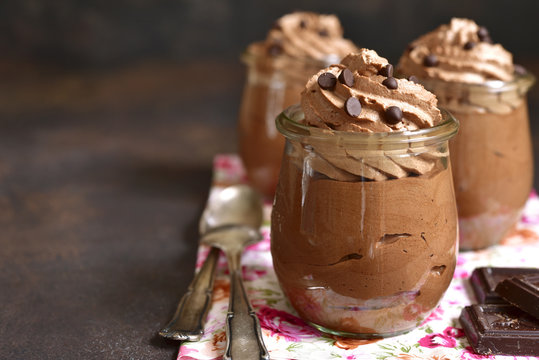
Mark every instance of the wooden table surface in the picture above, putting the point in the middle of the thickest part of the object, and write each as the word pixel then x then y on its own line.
pixel 103 176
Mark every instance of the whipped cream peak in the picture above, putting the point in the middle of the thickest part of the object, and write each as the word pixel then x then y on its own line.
pixel 460 51
pixel 386 104
pixel 306 35
pixel 365 62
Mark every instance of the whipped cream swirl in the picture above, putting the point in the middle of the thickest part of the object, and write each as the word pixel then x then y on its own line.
pixel 460 51
pixel 361 95
pixel 304 36
pixel 325 108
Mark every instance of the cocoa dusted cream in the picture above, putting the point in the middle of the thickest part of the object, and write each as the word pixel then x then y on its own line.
pixel 460 51
pixel 298 45
pixel 476 80
pixel 364 223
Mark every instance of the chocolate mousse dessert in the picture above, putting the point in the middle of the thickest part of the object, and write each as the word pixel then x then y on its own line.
pixel 364 224
pixel 298 45
pixel 476 80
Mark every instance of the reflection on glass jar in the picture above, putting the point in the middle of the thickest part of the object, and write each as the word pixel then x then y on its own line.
pixel 491 156
pixel 273 84
pixel 364 226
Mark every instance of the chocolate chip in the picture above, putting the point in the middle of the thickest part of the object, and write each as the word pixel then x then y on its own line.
pixel 323 33
pixel 303 24
pixel 276 26
pixel 487 40
pixel 390 83
pixel 482 33
pixel 327 81
pixel 352 106
pixel 469 45
pixel 275 49
pixel 393 115
pixel 519 69
pixel 430 60
pixel 410 47
pixel 413 78
pixel 386 71
pixel 346 77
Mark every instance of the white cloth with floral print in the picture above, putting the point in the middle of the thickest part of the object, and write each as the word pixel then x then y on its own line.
pixel 288 337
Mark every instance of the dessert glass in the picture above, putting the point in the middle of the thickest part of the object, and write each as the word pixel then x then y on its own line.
pixel 362 258
pixel 491 157
pixel 272 85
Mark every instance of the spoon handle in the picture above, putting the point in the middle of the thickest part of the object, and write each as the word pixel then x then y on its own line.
pixel 190 317
pixel 244 337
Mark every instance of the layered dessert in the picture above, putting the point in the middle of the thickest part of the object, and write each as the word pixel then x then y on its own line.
pixel 298 45
pixel 364 223
pixel 476 80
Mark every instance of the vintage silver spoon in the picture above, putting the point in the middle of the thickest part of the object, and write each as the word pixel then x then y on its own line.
pixel 236 205
pixel 243 334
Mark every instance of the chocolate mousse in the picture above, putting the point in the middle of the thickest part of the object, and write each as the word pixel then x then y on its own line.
pixel 364 223
pixel 298 45
pixel 476 80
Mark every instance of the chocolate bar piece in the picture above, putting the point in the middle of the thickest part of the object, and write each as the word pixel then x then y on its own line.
pixel 500 330
pixel 485 279
pixel 521 291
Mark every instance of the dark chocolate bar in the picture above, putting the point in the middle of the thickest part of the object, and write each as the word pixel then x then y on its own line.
pixel 496 329
pixel 521 291
pixel 485 279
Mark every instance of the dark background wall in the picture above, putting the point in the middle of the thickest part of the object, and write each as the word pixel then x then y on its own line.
pixel 154 59
pixel 111 33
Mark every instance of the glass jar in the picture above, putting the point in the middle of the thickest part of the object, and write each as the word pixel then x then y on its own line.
pixel 364 226
pixel 272 84
pixel 491 157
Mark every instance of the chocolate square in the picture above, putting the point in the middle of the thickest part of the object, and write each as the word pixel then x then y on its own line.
pixel 485 279
pixel 522 291
pixel 500 329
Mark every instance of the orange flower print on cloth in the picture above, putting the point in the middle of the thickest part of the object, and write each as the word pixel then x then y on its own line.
pixel 350 344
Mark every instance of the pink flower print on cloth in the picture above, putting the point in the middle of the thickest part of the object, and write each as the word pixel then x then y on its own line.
pixel 446 339
pixel 285 324
pixel 435 315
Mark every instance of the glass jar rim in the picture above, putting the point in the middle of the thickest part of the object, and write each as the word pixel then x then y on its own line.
pixel 288 124
pixel 521 82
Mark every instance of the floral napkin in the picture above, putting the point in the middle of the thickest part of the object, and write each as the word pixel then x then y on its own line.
pixel 286 336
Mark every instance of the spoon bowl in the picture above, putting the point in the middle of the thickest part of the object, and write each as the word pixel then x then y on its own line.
pixel 234 205
pixel 243 333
